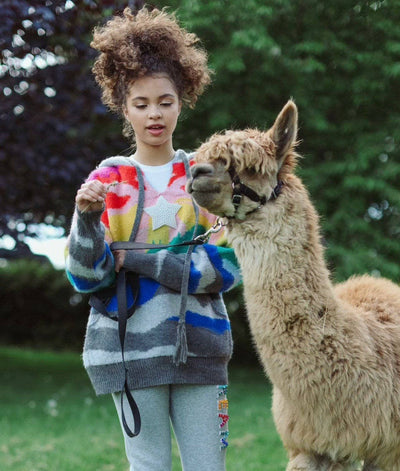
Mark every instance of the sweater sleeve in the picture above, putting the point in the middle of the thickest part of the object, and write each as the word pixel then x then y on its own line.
pixel 213 269
pixel 89 261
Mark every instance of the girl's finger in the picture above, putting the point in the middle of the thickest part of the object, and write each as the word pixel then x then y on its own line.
pixel 95 186
pixel 90 195
pixel 92 190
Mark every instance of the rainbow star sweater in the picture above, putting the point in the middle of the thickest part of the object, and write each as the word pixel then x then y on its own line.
pixel 167 218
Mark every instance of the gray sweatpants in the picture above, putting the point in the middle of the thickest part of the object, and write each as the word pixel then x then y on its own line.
pixel 198 415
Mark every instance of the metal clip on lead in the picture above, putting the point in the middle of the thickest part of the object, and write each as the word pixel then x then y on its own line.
pixel 203 238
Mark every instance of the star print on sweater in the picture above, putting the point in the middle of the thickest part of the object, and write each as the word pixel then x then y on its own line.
pixel 163 213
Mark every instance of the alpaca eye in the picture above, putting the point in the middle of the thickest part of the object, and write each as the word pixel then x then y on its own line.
pixel 223 161
pixel 251 171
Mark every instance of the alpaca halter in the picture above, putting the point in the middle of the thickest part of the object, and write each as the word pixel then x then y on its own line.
pixel 239 189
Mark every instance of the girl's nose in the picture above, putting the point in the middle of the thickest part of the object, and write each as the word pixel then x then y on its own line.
pixel 155 112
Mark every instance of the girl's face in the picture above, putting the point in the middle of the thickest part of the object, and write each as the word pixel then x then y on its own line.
pixel 152 107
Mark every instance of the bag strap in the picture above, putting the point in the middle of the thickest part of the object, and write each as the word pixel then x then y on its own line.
pixel 140 205
pixel 123 317
pixel 121 291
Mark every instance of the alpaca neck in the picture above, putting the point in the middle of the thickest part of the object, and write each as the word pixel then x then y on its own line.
pixel 281 256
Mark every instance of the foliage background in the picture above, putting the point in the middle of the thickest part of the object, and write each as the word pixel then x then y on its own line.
pixel 340 61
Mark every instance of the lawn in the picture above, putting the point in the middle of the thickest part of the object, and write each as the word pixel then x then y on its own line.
pixel 51 420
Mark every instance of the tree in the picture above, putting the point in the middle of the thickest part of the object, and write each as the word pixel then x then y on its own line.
pixel 340 61
pixel 52 123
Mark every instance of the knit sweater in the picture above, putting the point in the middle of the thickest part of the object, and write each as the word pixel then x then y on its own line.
pixel 150 343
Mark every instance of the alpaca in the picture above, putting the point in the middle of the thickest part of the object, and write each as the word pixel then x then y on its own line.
pixel 331 352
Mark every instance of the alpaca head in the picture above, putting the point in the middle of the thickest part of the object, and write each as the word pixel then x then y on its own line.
pixel 229 163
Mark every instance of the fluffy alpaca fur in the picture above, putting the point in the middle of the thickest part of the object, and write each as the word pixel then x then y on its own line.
pixel 331 352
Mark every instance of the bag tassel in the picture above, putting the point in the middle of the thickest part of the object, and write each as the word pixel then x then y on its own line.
pixel 181 349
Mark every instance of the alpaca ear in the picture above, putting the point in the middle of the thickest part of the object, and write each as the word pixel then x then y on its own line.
pixel 284 131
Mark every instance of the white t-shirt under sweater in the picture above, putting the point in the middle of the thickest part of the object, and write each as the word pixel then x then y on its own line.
pixel 157 175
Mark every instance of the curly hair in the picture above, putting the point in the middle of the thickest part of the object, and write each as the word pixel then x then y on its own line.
pixel 149 42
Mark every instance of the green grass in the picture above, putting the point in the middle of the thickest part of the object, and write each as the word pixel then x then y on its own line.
pixel 50 418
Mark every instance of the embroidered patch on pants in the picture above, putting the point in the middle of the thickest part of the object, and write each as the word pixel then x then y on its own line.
pixel 222 401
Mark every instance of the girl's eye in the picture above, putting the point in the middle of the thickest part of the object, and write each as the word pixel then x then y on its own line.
pixel 166 104
pixel 140 107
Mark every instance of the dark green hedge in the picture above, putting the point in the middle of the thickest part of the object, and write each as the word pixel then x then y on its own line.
pixel 40 309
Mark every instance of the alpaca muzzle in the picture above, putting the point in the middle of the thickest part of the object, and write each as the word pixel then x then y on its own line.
pixel 203 180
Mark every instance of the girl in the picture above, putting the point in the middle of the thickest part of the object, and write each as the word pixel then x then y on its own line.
pixel 178 342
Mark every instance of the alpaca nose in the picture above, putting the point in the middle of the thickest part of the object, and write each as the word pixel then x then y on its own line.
pixel 201 170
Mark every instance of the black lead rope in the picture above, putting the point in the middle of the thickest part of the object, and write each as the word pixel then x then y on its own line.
pixel 122 320
pixel 100 302
pixel 129 245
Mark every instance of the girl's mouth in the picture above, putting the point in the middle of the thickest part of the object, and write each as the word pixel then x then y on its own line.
pixel 156 129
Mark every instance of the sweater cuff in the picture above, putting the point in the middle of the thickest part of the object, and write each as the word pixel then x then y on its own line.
pixel 89 216
pixel 138 262
pixel 89 223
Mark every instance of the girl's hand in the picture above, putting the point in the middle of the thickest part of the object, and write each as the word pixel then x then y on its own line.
pixel 91 196
pixel 119 259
